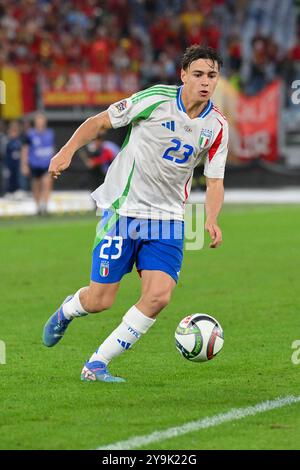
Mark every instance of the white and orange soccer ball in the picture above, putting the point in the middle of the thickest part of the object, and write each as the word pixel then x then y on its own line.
pixel 199 337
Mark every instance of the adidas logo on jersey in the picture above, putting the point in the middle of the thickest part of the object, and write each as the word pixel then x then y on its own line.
pixel 169 125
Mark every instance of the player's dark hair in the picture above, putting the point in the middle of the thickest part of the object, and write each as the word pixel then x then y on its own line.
pixel 196 52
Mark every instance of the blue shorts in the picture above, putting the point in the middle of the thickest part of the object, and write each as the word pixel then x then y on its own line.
pixel 150 244
pixel 38 172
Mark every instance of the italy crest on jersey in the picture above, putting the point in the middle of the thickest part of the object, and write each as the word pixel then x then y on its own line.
pixel 205 136
pixel 104 268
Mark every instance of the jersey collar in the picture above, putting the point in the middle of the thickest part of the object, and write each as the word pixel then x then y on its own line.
pixel 181 107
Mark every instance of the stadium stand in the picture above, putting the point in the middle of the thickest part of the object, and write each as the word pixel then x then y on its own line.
pixel 148 36
pixel 55 52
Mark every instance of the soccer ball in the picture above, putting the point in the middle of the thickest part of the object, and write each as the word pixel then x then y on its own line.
pixel 199 337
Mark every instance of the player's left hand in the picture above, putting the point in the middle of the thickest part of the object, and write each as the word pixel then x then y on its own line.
pixel 215 234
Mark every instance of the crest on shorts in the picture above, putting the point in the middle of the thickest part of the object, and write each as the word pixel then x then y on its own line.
pixel 205 136
pixel 121 105
pixel 104 268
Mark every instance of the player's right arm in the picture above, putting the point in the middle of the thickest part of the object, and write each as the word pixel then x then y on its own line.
pixel 82 136
pixel 138 106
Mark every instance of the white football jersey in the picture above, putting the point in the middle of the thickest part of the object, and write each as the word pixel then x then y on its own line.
pixel 151 177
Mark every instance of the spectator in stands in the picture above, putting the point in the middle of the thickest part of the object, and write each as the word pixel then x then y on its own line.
pixel 98 156
pixel 12 159
pixel 257 78
pixel 3 141
pixel 130 35
pixel 38 149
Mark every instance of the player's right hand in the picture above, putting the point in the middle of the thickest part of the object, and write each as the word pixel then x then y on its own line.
pixel 60 162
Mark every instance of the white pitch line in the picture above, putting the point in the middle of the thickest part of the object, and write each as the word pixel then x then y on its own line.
pixel 232 415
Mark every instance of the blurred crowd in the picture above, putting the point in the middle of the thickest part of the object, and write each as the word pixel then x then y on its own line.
pixel 26 149
pixel 259 40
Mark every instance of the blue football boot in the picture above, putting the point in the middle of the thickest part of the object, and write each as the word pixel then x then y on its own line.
pixel 97 371
pixel 56 326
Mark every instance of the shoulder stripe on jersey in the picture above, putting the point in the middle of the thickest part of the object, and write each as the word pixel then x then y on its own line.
pixel 150 92
pixel 136 100
pixel 161 87
pixel 155 90
pixel 153 93
pixel 146 113
pixel 215 146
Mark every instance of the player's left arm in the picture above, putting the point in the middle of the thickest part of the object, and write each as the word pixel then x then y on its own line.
pixel 213 205
pixel 214 170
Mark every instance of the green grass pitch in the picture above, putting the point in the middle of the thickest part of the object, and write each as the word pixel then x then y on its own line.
pixel 250 284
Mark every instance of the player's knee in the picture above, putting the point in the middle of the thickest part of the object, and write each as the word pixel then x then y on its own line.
pixel 98 304
pixel 106 302
pixel 159 300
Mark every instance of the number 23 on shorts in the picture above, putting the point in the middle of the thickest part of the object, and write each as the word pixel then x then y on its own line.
pixel 108 242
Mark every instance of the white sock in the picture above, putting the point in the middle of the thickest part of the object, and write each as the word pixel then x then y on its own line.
pixel 43 206
pixel 134 324
pixel 73 307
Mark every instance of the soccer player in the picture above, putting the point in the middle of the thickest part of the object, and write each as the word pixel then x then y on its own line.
pixel 12 158
pixel 171 128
